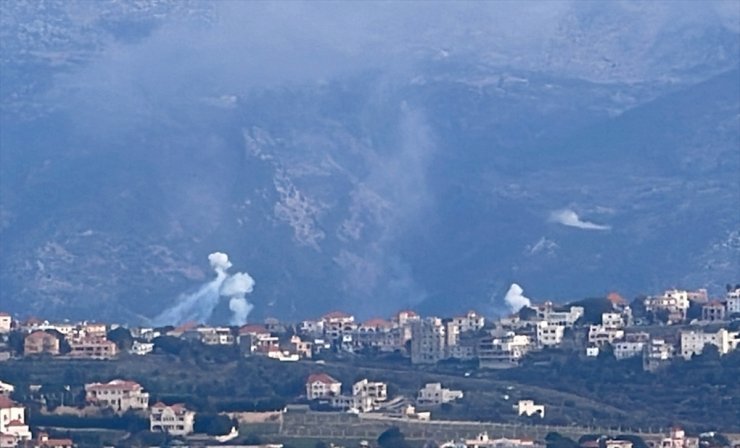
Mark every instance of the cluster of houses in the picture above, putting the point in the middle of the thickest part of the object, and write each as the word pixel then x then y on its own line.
pixel 428 340
pixel 14 431
pixel 365 395
pixel 119 396
pixel 86 340
pixel 372 396
pixel 676 438
pixel 545 325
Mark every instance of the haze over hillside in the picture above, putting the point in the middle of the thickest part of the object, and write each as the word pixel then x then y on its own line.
pixel 365 157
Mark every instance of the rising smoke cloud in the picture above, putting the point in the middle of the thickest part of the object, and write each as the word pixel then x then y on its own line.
pixel 237 287
pixel 515 298
pixel 199 306
pixel 568 217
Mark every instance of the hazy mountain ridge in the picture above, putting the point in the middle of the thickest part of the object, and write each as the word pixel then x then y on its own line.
pixel 433 184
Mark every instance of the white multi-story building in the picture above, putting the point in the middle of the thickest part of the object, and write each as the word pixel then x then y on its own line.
pixel 452 333
pixel 145 333
pixel 657 354
pixel 312 327
pixel 119 395
pixel 434 394
pixel 370 393
pixel 566 318
pixel 304 349
pixel 496 352
pixel 472 321
pixel 6 323
pixel 549 335
pixel 175 420
pixel 732 302
pixel 677 439
pixel 529 408
pixel 6 389
pixel 381 334
pixel 366 396
pixel 142 348
pixel 484 441
pixel 617 443
pixel 466 349
pixel 257 339
pixel 693 342
pixel 406 317
pixel 676 302
pixel 351 403
pixel 632 345
pixel 321 385
pixel 628 349
pixel 428 341
pixel 216 336
pixel 405 321
pixel 338 323
pixel 612 320
pixel 13 421
pixel 599 335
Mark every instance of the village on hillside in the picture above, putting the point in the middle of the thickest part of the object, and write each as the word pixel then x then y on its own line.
pixel 656 331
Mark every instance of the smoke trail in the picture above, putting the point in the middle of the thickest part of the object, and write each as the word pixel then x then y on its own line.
pixel 515 299
pixel 568 217
pixel 199 306
pixel 237 287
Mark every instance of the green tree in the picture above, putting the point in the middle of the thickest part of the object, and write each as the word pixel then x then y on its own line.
pixel 661 316
pixel 122 338
pixel 170 344
pixel 392 438
pixel 556 440
pixel 16 340
pixel 593 308
pixel 527 313
pixel 694 311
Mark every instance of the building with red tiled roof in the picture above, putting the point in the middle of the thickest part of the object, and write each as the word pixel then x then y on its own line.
pixel 12 420
pixel 321 385
pixel 590 443
pixel 376 323
pixel 183 328
pixel 337 324
pixel 616 299
pixel 119 395
pixel 253 329
pixel 405 316
pixel 40 342
pixel 92 348
pixel 43 441
pixel 255 338
pixel 338 315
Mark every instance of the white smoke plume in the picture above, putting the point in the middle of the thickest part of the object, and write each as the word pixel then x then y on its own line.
pixel 199 305
pixel 219 262
pixel 237 287
pixel 515 298
pixel 568 217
